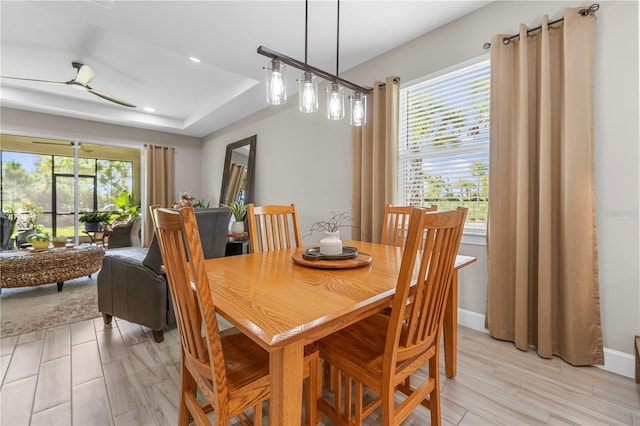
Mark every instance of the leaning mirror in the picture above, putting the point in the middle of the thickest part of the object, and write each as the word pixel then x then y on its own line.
pixel 237 178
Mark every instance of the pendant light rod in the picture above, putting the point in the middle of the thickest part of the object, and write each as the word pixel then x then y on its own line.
pixel 306 25
pixel 338 40
pixel 265 51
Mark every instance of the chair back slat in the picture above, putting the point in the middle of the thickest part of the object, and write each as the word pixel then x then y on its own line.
pixel 179 240
pixel 433 240
pixel 395 224
pixel 273 228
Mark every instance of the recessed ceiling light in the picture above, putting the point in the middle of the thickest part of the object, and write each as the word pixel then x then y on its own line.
pixel 149 109
pixel 194 59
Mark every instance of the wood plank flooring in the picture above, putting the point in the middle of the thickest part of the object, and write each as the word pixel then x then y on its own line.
pixel 91 374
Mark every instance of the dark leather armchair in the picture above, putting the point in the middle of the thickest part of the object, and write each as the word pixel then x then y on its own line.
pixel 125 234
pixel 132 286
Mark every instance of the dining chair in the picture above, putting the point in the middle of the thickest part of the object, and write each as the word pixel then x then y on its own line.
pixel 273 227
pixel 395 223
pixel 228 368
pixel 382 352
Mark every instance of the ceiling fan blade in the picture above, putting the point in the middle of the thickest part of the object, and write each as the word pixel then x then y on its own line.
pixel 52 143
pixel 110 98
pixel 33 79
pixel 83 147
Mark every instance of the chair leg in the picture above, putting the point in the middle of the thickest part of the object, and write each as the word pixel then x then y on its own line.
pixel 158 335
pixel 434 397
pixel 187 385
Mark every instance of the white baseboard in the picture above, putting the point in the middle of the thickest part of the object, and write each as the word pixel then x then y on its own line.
pixel 619 363
pixel 614 361
pixel 472 320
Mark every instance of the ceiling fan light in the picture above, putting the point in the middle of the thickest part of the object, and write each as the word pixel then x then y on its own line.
pixel 358 115
pixel 308 93
pixel 275 79
pixel 335 102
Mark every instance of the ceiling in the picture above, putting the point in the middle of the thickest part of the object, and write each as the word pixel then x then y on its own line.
pixel 140 50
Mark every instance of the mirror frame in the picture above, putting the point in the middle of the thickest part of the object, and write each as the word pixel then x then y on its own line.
pixel 251 141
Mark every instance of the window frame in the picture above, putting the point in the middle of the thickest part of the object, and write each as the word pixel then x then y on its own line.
pixel 471 235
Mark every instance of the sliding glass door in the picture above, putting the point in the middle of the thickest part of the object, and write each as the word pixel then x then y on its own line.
pixel 50 183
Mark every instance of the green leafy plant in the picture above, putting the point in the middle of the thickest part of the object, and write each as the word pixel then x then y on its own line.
pixel 128 210
pixel 40 235
pixel 237 210
pixel 201 204
pixel 96 217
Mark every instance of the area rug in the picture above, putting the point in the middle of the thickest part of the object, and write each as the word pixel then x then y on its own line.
pixel 32 308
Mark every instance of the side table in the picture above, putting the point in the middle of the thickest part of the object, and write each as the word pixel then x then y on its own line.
pixel 97 237
pixel 237 244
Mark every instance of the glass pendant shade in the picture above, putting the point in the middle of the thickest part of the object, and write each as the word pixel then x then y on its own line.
pixel 308 93
pixel 335 102
pixel 276 88
pixel 358 109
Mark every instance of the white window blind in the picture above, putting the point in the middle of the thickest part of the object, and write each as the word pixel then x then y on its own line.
pixel 444 143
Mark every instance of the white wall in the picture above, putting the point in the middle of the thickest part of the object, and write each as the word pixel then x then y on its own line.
pixel 187 154
pixel 300 158
pixel 295 151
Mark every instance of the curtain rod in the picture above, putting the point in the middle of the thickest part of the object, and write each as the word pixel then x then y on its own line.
pixel 583 12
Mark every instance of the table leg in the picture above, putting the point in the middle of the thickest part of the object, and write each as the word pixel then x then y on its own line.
pixel 285 366
pixel 450 328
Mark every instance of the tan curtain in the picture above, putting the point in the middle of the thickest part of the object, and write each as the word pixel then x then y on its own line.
pixel 543 273
pixel 375 161
pixel 159 182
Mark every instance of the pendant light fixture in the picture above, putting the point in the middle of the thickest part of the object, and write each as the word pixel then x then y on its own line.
pixel 335 93
pixel 358 103
pixel 276 86
pixel 308 84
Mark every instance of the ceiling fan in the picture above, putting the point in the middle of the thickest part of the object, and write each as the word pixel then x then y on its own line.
pixel 82 79
pixel 83 147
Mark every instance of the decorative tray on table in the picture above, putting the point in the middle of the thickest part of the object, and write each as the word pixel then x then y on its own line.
pixel 350 258
pixel 313 253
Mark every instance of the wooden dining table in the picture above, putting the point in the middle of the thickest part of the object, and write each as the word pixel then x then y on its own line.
pixel 282 306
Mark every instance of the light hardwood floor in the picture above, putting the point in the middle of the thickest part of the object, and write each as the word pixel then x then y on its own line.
pixel 89 374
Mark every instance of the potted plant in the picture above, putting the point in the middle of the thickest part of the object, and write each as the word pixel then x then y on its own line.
pixel 127 209
pixel 59 241
pixel 331 245
pixel 95 220
pixel 238 211
pixel 201 203
pixel 41 239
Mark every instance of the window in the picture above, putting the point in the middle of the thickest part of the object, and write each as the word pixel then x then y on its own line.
pixel 40 174
pixel 443 156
